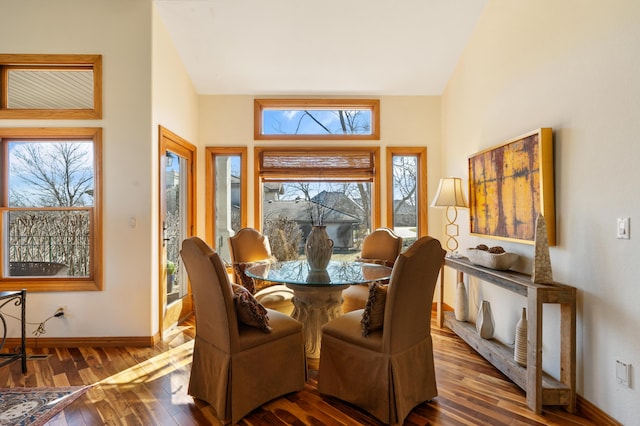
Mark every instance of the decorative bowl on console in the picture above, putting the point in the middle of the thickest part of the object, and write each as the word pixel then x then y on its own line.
pixel 494 258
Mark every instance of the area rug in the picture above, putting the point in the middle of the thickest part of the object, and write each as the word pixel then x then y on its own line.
pixel 35 406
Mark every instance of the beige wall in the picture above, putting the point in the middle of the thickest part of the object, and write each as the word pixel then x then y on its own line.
pixel 121 32
pixel 573 66
pixel 404 121
pixel 174 107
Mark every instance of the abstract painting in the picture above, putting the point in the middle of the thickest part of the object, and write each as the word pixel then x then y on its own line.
pixel 510 185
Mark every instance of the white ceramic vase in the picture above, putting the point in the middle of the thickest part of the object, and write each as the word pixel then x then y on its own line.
pixel 318 248
pixel 520 346
pixel 460 306
pixel 484 321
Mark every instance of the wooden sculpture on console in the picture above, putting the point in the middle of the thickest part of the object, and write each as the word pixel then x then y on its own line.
pixel 542 273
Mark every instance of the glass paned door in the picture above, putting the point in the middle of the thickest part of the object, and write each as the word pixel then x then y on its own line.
pixel 175 224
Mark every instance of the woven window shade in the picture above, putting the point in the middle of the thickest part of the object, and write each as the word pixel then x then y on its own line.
pixel 310 165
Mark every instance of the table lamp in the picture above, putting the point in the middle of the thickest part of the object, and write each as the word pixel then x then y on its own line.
pixel 451 196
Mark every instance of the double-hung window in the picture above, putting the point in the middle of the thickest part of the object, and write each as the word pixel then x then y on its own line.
pixel 50 215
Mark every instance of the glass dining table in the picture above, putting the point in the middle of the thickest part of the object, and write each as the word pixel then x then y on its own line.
pixel 317 295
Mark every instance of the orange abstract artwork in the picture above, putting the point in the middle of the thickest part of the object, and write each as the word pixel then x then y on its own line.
pixel 506 188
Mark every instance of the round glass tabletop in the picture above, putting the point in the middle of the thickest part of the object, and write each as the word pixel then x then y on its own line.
pixel 337 273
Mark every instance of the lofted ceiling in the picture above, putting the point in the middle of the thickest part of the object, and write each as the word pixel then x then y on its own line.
pixel 329 47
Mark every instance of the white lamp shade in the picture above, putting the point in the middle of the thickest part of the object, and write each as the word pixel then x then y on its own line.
pixel 449 193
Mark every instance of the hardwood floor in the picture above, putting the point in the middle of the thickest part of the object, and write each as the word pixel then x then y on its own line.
pixel 148 386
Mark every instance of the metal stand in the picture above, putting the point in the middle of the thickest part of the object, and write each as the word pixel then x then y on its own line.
pixel 18 298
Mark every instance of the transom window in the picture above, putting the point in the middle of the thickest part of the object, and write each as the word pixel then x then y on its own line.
pixel 50 209
pixel 316 119
pixel 51 86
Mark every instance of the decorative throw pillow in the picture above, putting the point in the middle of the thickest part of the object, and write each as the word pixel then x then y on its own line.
pixel 246 281
pixel 248 310
pixel 373 315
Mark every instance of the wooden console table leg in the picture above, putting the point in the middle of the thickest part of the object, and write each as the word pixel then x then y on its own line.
pixel 534 351
pixel 568 350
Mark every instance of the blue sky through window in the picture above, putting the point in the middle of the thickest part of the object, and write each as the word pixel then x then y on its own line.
pixel 316 121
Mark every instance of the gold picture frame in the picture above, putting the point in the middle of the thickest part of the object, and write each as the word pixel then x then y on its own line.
pixel 510 185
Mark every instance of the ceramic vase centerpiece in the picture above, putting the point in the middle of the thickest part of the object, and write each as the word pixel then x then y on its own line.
pixel 460 307
pixel 318 248
pixel 520 346
pixel 484 321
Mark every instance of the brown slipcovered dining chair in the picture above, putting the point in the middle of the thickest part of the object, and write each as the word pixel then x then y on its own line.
pixel 390 371
pixel 237 367
pixel 382 246
pixel 247 247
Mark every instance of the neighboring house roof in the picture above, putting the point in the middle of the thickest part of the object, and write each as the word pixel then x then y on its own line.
pixel 298 210
pixel 273 187
pixel 404 215
pixel 340 202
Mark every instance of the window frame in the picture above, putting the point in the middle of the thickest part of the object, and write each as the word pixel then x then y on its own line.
pixel 285 174
pixel 326 104
pixel 421 185
pixel 210 172
pixel 64 283
pixel 38 62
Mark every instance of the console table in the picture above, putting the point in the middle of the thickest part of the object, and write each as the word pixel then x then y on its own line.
pixel 18 298
pixel 541 389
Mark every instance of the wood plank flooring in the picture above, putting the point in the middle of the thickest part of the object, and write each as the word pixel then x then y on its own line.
pixel 148 386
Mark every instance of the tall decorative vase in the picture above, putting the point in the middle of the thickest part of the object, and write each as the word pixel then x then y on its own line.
pixel 484 321
pixel 520 346
pixel 318 248
pixel 460 307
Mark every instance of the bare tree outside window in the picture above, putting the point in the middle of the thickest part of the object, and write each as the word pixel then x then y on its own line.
pixel 304 122
pixel 46 174
pixel 405 207
pixel 51 187
pixel 317 118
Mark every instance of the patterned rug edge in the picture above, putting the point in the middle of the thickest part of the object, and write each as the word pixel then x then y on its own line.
pixel 24 406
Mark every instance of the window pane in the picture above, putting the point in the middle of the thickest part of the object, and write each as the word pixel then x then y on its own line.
pixel 49 243
pixel 51 174
pixel 291 208
pixel 45 240
pixel 405 207
pixel 331 119
pixel 228 179
pixel 309 121
pixel 50 89
pixel 175 223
